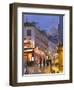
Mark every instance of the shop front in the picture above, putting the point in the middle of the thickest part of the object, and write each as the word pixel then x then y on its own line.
pixel 29 56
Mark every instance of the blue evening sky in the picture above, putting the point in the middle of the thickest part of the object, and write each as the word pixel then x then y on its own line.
pixel 45 22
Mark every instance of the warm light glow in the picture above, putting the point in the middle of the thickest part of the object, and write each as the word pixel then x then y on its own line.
pixel 29 56
pixel 32 58
pixel 28 44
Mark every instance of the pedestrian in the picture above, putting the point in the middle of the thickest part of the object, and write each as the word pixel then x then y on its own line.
pixel 44 62
pixel 40 62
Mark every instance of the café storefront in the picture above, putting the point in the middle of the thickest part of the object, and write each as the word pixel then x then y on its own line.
pixel 32 54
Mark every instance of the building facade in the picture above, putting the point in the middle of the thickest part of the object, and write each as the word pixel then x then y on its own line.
pixel 52 48
pixel 35 43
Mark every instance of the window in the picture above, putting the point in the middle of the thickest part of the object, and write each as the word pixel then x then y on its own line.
pixel 28 32
pixel 24 38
